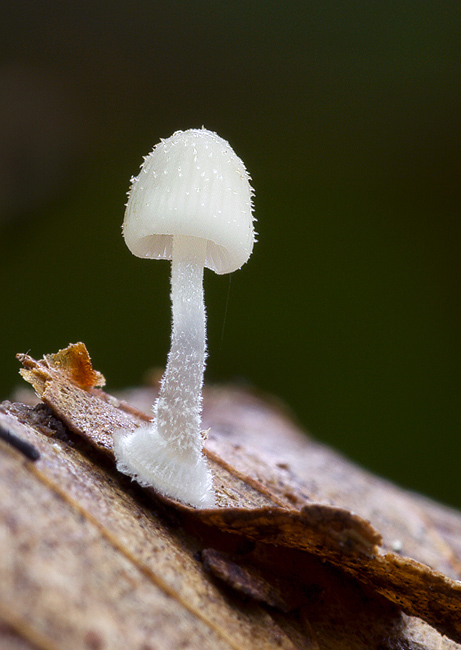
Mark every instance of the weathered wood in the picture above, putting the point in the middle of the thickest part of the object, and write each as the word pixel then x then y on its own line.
pixel 283 561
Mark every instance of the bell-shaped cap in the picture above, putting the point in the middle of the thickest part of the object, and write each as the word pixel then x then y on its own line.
pixel 192 184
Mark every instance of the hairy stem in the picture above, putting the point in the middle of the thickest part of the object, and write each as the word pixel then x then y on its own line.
pixel 178 410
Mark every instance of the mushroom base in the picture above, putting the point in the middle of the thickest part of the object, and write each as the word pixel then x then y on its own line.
pixel 145 456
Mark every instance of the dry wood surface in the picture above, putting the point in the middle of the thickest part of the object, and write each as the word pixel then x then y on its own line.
pixel 303 550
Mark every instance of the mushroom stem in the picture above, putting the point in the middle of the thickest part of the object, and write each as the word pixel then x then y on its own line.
pixel 179 406
pixel 167 452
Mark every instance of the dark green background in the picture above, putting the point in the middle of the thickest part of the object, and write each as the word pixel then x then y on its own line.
pixel 347 117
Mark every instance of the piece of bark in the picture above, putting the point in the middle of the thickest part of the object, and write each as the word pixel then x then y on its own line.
pixel 86 561
pixel 276 486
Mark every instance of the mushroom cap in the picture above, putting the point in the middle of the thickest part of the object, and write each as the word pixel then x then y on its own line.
pixel 192 184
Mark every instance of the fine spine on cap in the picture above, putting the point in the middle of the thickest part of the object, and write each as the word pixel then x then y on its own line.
pixel 192 184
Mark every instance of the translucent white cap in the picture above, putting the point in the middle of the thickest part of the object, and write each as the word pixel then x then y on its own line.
pixel 192 184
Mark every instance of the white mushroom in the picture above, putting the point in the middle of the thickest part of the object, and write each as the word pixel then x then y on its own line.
pixel 191 203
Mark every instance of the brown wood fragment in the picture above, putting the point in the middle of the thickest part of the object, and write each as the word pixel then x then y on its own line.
pixel 57 382
pixel 73 362
pixel 292 496
pixel 316 528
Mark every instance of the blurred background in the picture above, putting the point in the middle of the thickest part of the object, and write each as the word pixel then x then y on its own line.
pixel 346 114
